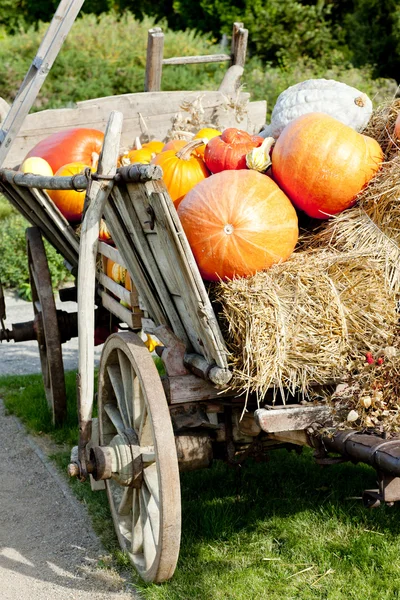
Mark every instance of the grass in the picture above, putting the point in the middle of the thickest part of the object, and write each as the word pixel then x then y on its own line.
pixel 285 529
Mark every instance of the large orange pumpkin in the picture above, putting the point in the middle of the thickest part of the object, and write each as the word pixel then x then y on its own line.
pixel 69 202
pixel 71 145
pixel 238 222
pixel 182 169
pixel 322 164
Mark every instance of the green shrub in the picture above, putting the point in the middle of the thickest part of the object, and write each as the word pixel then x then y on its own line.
pixel 104 56
pixel 13 258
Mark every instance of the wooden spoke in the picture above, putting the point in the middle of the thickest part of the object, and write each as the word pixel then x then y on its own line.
pixel 126 373
pixel 115 417
pixel 138 404
pixel 149 541
pixel 146 518
pixel 145 432
pixel 114 373
pixel 151 478
pixel 125 506
pixel 137 540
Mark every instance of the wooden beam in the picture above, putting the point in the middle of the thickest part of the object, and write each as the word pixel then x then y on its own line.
pixel 290 418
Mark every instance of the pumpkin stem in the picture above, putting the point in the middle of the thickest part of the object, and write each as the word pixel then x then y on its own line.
pixel 186 152
pixel 95 160
pixel 259 159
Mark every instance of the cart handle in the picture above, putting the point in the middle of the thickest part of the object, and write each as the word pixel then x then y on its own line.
pixel 136 173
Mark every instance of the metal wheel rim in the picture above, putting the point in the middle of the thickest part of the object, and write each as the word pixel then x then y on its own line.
pixel 147 519
pixel 50 351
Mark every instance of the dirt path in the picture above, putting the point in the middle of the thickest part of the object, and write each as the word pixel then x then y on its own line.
pixel 47 548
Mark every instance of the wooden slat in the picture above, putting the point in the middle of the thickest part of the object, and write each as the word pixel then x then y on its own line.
pixel 154 60
pixel 188 60
pixel 118 290
pixel 133 320
pixel 134 226
pixel 111 253
pixel 140 279
pixel 190 388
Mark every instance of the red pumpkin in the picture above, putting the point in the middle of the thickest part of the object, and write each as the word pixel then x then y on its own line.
pixel 69 146
pixel 322 164
pixel 238 222
pixel 182 169
pixel 228 150
pixel 69 202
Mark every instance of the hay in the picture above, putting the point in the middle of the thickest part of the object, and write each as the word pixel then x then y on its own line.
pixel 307 321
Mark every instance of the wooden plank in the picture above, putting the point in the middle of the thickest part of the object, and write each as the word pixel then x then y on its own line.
pixel 239 44
pixel 133 320
pixel 141 281
pixel 111 253
pixel 158 109
pixel 291 418
pixel 134 229
pixel 118 290
pixel 192 289
pixel 190 388
pixel 189 60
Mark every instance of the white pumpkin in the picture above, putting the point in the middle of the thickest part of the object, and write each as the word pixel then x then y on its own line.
pixel 339 100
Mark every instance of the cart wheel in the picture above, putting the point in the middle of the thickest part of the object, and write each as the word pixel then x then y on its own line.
pixel 135 425
pixel 47 330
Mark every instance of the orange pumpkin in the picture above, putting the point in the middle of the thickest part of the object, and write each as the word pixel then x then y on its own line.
pixel 116 272
pixel 69 202
pixel 238 222
pixel 174 145
pixel 207 133
pixel 141 155
pixel 182 170
pixel 322 164
pixel 69 146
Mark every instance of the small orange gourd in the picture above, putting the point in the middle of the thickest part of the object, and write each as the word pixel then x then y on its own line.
pixel 182 170
pixel 69 202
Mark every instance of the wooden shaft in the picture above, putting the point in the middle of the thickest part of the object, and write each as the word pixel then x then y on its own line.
pixel 97 195
pixel 130 173
pixel 154 60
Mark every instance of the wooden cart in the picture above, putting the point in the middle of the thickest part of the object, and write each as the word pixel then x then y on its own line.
pixel 150 426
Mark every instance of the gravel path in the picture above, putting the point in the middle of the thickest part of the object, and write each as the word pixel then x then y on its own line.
pixel 23 358
pixel 48 550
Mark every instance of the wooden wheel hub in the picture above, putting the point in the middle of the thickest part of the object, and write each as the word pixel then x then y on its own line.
pixel 120 460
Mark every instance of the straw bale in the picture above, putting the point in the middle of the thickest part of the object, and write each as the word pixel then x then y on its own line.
pixel 306 321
